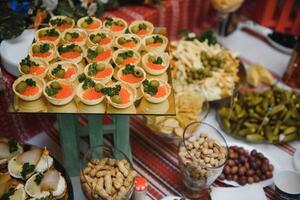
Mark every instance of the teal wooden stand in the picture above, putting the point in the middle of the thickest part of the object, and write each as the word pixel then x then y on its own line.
pixel 70 131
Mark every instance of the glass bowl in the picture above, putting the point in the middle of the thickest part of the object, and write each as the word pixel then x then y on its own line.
pixel 90 185
pixel 200 168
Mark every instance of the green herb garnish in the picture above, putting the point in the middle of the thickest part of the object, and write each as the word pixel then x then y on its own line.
pixel 27 169
pixel 109 21
pixel 68 48
pixel 111 91
pixel 143 26
pixel 126 54
pixel 88 83
pixel 38 178
pixel 53 88
pixel 150 88
pixel 74 35
pixel 207 35
pixel 56 69
pixel 134 39
pixel 158 60
pixel 13 146
pixel 26 61
pixel 44 48
pixel 101 35
pixel 10 192
pixel 89 20
pixel 45 198
pixel 92 53
pixel 92 69
pixel 81 77
pixel 30 82
pixel 52 32
pixel 58 22
pixel 157 39
pixel 129 69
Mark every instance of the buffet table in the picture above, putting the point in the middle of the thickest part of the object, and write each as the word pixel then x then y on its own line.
pixel 153 158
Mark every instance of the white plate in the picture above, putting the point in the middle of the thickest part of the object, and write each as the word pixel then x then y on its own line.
pixel 264 183
pixel 14 50
pixel 296 160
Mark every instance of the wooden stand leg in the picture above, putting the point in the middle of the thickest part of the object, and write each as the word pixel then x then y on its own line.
pixel 122 134
pixel 95 130
pixel 69 144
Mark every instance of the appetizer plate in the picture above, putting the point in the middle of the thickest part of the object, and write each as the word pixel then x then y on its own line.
pixel 296 160
pixel 264 183
pixel 59 167
pixel 173 198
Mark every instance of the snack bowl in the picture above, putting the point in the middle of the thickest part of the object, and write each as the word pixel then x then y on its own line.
pixel 80 95
pixel 165 62
pixel 40 37
pixel 117 165
pixel 99 50
pixel 27 70
pixel 114 31
pixel 135 85
pixel 104 43
pixel 120 62
pixel 105 79
pixel 202 155
pixel 68 68
pixel 154 99
pixel 64 27
pixel 81 22
pixel 155 47
pixel 39 83
pixel 66 36
pixel 69 87
pixel 136 25
pixel 127 87
pixel 120 42
pixel 45 56
pixel 75 50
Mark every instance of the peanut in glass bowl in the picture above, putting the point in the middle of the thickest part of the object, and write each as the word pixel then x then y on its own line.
pixel 101 171
pixel 202 155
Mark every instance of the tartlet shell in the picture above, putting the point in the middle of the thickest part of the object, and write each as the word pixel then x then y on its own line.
pixel 39 81
pixel 151 99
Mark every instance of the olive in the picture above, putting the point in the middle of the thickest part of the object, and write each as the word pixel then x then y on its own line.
pixel 119 23
pixel 154 83
pixel 25 69
pixel 55 85
pixel 150 41
pixel 96 39
pixel 21 87
pixel 68 37
pixel 100 67
pixel 43 33
pixel 77 48
pixel 119 60
pixel 227 169
pixel 99 49
pixel 242 171
pixel 231 163
pixel 35 49
pixel 98 87
pixel 151 59
pixel 122 40
pixel 60 73
pixel 84 25
pixel 135 29
pixel 222 177
pixel 138 73
pixel 116 99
